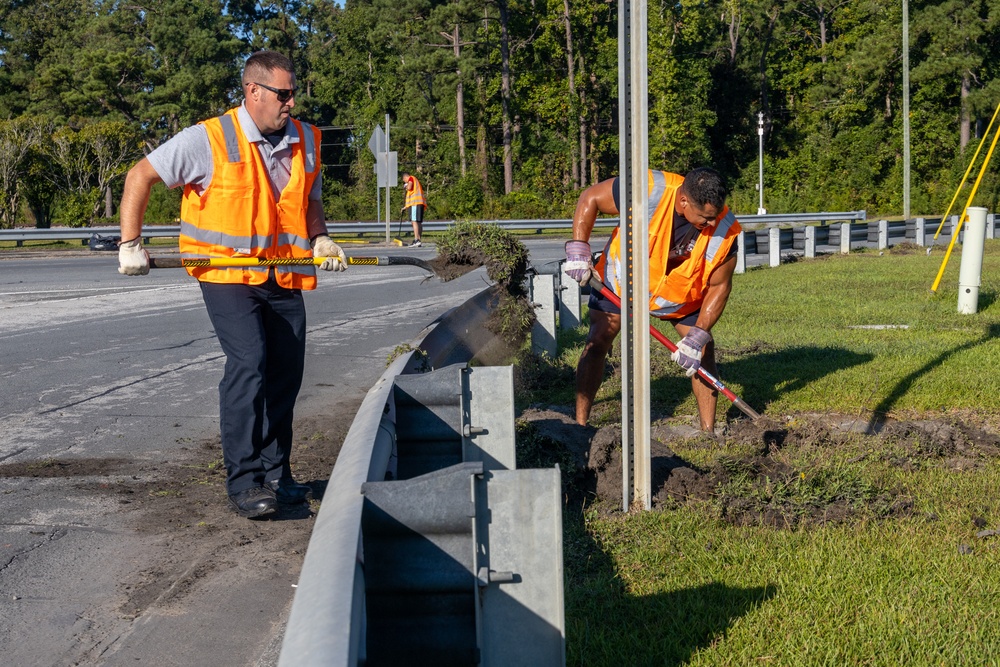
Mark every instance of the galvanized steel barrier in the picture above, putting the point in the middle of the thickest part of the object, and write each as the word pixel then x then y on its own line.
pixel 19 236
pixel 430 548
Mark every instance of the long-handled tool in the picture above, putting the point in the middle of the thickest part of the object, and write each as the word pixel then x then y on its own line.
pixel 178 262
pixel 596 284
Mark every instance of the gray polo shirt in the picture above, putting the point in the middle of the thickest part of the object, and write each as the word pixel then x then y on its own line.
pixel 186 159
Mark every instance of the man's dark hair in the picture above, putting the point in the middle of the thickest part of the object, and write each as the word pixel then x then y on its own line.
pixel 704 185
pixel 262 63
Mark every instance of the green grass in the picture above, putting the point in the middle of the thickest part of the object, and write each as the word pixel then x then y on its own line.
pixel 788 342
pixel 681 586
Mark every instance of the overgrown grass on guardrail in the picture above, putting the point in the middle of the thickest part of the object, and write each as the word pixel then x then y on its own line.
pixel 849 548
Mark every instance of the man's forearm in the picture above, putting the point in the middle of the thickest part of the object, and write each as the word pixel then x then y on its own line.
pixel 315 219
pixel 135 198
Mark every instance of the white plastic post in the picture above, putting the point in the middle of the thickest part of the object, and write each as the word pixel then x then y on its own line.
pixel 883 234
pixel 774 246
pixel 971 270
pixel 920 231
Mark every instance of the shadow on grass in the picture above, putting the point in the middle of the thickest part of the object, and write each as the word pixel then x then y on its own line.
pixel 903 386
pixel 606 625
pixel 764 376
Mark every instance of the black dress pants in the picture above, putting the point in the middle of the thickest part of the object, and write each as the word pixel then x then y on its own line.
pixel 262 330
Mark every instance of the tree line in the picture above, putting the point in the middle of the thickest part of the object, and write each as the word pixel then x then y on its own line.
pixel 506 108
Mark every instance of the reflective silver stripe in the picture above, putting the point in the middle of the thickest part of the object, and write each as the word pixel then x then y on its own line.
pixel 287 238
pixel 664 307
pixel 244 243
pixel 656 194
pixel 719 236
pixel 229 135
pixel 301 270
pixel 310 148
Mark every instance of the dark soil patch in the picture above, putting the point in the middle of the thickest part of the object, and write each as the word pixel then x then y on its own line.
pixel 456 266
pixel 761 488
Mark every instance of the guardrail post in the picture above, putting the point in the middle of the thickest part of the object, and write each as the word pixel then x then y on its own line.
pixel 543 297
pixel 990 225
pixel 920 231
pixel 741 253
pixel 774 246
pixel 845 237
pixel 883 234
pixel 569 301
pixel 810 231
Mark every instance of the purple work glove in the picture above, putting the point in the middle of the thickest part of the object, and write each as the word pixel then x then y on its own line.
pixel 688 354
pixel 579 264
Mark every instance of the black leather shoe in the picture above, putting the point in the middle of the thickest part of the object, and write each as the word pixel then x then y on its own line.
pixel 252 503
pixel 288 491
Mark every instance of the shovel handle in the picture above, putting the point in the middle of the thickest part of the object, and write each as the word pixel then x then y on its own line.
pixel 595 283
pixel 178 262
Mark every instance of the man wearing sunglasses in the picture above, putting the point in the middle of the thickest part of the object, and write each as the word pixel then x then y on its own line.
pixel 252 188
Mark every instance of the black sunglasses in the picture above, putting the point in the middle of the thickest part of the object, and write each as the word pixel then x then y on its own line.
pixel 283 94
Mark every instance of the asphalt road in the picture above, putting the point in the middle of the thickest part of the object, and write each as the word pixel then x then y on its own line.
pixel 107 380
pixel 115 543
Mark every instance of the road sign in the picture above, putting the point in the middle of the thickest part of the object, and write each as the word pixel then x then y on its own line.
pixel 377 142
pixel 387 169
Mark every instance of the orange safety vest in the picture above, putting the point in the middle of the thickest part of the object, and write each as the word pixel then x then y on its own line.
pixel 237 215
pixel 415 197
pixel 679 293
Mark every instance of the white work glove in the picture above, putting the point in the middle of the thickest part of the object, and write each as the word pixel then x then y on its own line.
pixel 133 260
pixel 323 246
pixel 579 263
pixel 688 353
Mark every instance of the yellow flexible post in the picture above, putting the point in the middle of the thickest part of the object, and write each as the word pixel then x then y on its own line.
pixel 969 169
pixel 958 227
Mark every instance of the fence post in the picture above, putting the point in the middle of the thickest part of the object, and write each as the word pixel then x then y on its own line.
pixel 741 252
pixel 774 246
pixel 845 237
pixel 810 241
pixel 883 234
pixel 569 301
pixel 543 331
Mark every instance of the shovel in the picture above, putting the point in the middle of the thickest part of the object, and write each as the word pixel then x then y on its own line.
pixel 178 262
pixel 596 284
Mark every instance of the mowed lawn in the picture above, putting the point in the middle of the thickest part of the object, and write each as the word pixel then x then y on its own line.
pixel 910 576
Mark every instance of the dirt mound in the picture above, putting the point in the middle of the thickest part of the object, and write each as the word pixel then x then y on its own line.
pixel 785 474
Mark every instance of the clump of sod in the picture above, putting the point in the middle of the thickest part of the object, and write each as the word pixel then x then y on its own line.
pixel 467 246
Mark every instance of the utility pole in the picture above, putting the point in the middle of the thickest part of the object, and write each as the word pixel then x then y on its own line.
pixel 906 110
pixel 760 161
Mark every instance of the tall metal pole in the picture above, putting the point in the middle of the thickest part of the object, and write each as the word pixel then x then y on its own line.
pixel 906 109
pixel 387 224
pixel 760 160
pixel 634 234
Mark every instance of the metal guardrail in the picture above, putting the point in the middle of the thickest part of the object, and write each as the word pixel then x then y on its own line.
pixel 83 234
pixel 432 565
pixel 767 246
